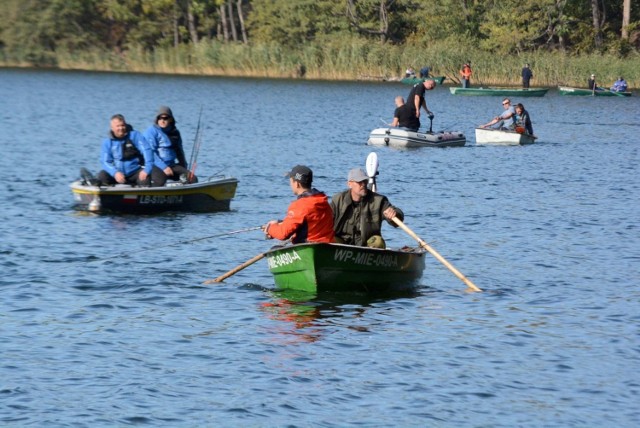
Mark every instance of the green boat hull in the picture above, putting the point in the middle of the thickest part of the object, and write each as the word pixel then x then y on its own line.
pixel 414 80
pixel 318 267
pixel 500 92
pixel 565 90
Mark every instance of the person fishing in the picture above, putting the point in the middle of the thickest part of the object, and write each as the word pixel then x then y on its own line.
pixel 309 218
pixel 166 143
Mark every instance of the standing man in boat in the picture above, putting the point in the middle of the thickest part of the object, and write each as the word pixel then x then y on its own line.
pixel 465 74
pixel 403 116
pixel 358 213
pixel 506 119
pixel 416 100
pixel 166 143
pixel 126 157
pixel 309 218
pixel 527 75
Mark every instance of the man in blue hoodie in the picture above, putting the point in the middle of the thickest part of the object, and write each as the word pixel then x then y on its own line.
pixel 126 157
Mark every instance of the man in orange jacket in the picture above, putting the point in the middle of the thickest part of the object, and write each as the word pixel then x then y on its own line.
pixel 465 74
pixel 309 218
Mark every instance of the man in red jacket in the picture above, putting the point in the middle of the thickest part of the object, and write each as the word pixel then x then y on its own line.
pixel 309 218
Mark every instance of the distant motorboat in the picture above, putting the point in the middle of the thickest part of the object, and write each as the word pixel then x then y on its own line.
pixel 213 194
pixel 402 137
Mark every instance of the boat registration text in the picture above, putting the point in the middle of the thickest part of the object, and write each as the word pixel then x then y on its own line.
pixel 159 199
pixel 282 259
pixel 366 259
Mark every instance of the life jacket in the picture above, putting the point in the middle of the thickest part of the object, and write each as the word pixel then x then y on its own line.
pixel 130 152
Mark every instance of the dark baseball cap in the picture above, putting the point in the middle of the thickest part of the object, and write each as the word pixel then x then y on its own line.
pixel 301 174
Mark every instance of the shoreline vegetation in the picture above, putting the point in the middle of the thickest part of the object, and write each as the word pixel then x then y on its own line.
pixel 340 62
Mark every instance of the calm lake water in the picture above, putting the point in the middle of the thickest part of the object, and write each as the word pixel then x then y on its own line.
pixel 105 320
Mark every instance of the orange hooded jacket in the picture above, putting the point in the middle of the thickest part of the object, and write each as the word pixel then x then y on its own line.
pixel 309 219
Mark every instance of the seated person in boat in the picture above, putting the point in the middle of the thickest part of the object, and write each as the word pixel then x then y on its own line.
pixel 505 120
pixel 126 157
pixel 358 213
pixel 591 83
pixel 619 85
pixel 309 218
pixel 404 117
pixel 410 72
pixel 523 120
pixel 166 143
pixel 424 72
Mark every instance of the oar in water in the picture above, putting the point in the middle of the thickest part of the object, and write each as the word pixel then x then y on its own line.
pixel 437 255
pixel 235 269
pixel 372 171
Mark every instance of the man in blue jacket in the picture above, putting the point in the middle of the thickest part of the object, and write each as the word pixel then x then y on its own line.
pixel 126 157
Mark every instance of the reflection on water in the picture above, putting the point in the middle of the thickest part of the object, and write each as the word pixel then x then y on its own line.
pixel 306 315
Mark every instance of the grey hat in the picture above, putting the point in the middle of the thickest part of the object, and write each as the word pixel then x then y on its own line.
pixel 301 174
pixel 358 175
pixel 164 110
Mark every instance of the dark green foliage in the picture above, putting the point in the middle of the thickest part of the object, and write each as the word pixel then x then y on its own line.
pixel 38 31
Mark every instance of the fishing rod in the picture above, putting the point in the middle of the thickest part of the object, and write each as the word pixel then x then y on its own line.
pixel 195 149
pixel 190 241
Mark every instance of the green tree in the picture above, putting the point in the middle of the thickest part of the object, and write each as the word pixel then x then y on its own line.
pixel 37 28
pixel 294 23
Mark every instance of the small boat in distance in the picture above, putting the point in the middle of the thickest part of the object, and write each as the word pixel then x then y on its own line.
pixel 402 137
pixel 414 80
pixel 566 90
pixel 318 267
pixel 499 92
pixel 502 137
pixel 212 194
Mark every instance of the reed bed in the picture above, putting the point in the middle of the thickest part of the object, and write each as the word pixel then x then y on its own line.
pixel 355 59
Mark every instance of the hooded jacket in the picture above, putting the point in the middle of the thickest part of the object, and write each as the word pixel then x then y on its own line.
pixel 166 152
pixel 309 219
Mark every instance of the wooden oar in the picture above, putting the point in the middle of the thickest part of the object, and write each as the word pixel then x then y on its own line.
pixel 235 269
pixel 437 255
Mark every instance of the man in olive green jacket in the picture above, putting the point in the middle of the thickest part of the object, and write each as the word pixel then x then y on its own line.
pixel 358 213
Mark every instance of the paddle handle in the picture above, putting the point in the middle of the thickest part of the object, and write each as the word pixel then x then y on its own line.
pixel 235 269
pixel 437 255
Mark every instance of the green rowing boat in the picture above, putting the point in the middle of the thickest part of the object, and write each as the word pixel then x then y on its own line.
pixel 501 92
pixel 414 80
pixel 566 90
pixel 318 267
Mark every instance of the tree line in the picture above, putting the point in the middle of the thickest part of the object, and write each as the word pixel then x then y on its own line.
pixel 33 32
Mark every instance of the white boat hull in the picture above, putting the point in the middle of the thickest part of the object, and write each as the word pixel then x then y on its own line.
pixel 502 137
pixel 401 137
